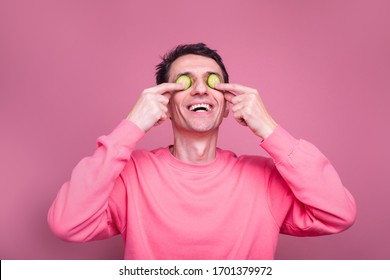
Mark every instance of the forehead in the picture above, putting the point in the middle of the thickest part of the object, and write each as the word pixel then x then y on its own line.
pixel 196 64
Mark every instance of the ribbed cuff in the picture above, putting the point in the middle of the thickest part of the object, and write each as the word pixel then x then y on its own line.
pixel 124 137
pixel 280 144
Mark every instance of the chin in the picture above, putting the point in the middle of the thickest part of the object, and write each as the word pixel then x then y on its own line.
pixel 203 127
pixel 198 125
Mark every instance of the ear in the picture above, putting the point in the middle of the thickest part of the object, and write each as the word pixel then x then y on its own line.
pixel 169 111
pixel 169 95
pixel 227 109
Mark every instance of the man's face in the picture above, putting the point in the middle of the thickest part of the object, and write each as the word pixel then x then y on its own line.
pixel 181 109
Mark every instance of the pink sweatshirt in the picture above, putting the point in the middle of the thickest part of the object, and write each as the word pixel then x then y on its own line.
pixel 232 208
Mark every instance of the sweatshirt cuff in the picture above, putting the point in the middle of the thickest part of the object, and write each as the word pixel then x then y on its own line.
pixel 280 144
pixel 125 135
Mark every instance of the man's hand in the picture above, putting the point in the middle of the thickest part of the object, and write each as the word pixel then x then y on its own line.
pixel 248 108
pixel 151 108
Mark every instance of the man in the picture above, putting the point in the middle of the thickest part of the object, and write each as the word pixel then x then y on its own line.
pixel 192 200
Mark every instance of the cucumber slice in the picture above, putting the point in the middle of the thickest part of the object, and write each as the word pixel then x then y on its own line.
pixel 185 80
pixel 212 80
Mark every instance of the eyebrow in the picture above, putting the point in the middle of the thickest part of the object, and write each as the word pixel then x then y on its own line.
pixel 215 73
pixel 190 74
pixel 183 73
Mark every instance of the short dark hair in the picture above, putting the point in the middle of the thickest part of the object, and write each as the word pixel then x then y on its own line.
pixel 162 69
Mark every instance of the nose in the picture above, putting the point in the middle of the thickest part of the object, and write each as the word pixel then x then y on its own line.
pixel 200 88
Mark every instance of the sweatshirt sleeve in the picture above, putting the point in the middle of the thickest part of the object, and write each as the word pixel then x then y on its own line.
pixel 85 207
pixel 306 195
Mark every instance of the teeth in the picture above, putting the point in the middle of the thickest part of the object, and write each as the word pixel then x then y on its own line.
pixel 200 107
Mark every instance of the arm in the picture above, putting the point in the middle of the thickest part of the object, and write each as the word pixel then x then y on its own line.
pixel 92 204
pixel 305 192
pixel 306 195
pixel 84 208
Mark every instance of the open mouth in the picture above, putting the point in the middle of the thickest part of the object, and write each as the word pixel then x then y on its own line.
pixel 201 107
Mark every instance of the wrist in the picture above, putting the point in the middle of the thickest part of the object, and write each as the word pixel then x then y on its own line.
pixel 136 122
pixel 267 129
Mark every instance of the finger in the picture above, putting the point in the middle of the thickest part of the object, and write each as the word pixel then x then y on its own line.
pixel 229 97
pixel 237 108
pixel 234 88
pixel 242 122
pixel 163 108
pixel 164 99
pixel 238 117
pixel 168 95
pixel 166 88
pixel 232 98
pixel 163 118
pixel 172 87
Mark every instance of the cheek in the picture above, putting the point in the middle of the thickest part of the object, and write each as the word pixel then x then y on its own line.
pixel 173 106
pixel 175 100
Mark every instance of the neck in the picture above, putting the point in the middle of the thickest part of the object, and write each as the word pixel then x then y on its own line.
pixel 197 148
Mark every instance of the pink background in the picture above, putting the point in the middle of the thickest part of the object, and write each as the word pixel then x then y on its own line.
pixel 71 70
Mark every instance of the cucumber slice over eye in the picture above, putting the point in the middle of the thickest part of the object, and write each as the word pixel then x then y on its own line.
pixel 212 80
pixel 185 80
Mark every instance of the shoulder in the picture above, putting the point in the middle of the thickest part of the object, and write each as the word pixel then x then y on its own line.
pixel 143 160
pixel 140 154
pixel 247 161
pixel 256 160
